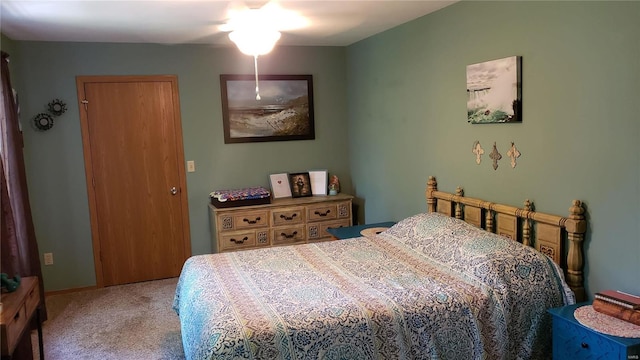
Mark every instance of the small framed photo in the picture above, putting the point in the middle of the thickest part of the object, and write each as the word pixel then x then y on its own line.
pixel 280 185
pixel 300 184
pixel 318 182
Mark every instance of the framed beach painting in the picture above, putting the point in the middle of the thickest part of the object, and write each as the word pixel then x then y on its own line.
pixel 283 112
pixel 494 91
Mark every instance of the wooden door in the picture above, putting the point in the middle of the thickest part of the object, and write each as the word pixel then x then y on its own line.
pixel 132 139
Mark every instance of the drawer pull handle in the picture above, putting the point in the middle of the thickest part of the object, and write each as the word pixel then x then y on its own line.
pixel 322 214
pixel 584 345
pixel 293 234
pixel 288 218
pixel 251 221
pixel 239 241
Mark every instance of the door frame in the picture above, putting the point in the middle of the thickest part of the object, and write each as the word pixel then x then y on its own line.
pixel 88 163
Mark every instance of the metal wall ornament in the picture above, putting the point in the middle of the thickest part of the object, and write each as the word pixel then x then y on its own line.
pixel 495 156
pixel 43 121
pixel 57 107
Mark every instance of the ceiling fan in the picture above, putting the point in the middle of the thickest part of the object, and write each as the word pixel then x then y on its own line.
pixel 255 30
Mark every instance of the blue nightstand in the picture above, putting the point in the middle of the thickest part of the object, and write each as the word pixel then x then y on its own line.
pixel 572 340
pixel 354 231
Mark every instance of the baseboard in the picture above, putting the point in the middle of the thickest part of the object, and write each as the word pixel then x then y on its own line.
pixel 68 291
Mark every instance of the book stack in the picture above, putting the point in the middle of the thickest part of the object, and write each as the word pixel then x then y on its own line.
pixel 618 304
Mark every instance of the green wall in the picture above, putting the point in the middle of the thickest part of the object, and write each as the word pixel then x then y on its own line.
pixel 9 46
pixel 54 159
pixel 580 138
pixel 390 111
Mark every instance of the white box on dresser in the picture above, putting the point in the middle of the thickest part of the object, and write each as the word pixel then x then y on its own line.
pixel 284 221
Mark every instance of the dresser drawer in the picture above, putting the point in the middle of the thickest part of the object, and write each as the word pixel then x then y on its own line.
pixel 288 235
pixel 288 216
pixel 13 329
pixel 318 231
pixel 330 211
pixel 322 212
pixel 243 239
pixel 243 220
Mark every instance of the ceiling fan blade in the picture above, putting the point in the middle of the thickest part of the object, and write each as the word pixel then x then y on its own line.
pixel 215 30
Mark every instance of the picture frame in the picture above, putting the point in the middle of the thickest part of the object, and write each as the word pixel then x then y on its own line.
pixel 280 187
pixel 300 184
pixel 283 112
pixel 494 91
pixel 319 181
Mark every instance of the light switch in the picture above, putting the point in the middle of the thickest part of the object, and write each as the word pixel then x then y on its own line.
pixel 191 166
pixel 48 258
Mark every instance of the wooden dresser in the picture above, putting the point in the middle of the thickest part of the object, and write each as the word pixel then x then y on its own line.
pixel 284 221
pixel 18 308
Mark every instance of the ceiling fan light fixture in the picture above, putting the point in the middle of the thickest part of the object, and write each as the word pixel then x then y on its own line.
pixel 255 41
pixel 256 31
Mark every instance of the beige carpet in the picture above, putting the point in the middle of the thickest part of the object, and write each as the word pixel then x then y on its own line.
pixel 132 321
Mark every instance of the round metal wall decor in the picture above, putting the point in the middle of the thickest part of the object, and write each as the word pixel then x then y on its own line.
pixel 43 121
pixel 57 107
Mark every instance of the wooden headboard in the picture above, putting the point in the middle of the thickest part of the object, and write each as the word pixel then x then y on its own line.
pixel 545 232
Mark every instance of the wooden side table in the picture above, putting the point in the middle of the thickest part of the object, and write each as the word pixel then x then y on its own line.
pixel 18 309
pixel 572 340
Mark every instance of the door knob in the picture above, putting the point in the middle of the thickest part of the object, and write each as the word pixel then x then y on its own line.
pixel 173 190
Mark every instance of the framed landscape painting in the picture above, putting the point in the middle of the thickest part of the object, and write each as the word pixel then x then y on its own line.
pixel 284 111
pixel 494 91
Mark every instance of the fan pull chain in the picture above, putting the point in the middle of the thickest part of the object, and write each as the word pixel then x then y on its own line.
pixel 255 64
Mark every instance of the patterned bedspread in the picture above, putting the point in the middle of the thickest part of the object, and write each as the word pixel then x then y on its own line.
pixel 430 287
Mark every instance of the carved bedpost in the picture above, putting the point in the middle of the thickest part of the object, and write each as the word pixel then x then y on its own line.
pixel 432 185
pixel 576 227
pixel 526 225
pixel 459 192
pixel 488 218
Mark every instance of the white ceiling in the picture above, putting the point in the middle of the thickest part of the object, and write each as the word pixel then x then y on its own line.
pixel 332 23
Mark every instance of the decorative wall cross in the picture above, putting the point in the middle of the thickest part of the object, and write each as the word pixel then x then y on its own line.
pixel 495 156
pixel 477 150
pixel 513 153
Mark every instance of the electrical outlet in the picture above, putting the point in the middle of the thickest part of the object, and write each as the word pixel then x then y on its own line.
pixel 48 258
pixel 191 166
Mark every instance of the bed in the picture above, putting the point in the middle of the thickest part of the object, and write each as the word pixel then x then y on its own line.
pixel 433 286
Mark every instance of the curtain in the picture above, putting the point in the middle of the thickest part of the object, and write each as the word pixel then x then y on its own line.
pixel 20 255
